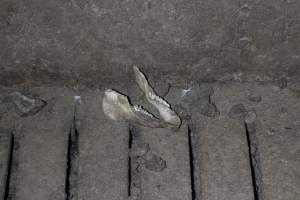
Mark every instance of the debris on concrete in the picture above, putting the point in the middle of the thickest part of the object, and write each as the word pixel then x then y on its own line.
pixel 166 113
pixel 237 111
pixel 146 158
pixel 154 162
pixel 163 172
pixel 26 106
pixel 193 97
pixel 117 107
pixel 142 158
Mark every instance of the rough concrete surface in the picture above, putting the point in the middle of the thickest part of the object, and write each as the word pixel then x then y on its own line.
pixel 167 176
pixel 42 156
pixel 40 147
pixel 103 151
pixel 276 131
pixel 63 42
pixel 221 157
pixel 257 118
pixel 278 135
pixel 5 154
pixel 234 46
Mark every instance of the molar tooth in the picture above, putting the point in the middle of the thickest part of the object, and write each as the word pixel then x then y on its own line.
pixel 151 95
pixel 161 100
pixel 139 108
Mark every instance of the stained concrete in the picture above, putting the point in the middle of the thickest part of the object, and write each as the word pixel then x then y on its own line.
pixel 65 42
pixel 164 173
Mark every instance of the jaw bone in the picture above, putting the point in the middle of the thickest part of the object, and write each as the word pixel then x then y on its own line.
pixel 165 111
pixel 117 107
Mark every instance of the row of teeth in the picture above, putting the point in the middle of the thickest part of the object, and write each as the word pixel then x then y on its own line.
pixel 159 99
pixel 139 108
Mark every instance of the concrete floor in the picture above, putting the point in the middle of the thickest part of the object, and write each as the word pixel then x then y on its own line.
pixel 69 149
pixel 229 68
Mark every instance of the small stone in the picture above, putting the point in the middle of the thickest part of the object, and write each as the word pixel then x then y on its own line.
pixel 237 111
pixel 25 106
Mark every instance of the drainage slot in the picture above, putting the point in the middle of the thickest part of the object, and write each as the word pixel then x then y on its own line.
pixel 71 186
pixel 9 169
pixel 191 157
pixel 135 188
pixel 129 162
pixel 254 161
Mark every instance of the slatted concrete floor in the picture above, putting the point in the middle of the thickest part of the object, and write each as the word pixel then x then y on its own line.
pixel 70 150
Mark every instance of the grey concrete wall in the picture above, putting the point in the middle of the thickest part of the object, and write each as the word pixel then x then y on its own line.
pixel 89 40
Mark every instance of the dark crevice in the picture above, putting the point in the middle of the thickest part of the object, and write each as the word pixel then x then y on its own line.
pixel 72 163
pixel 191 156
pixel 135 188
pixel 129 162
pixel 67 184
pixel 254 161
pixel 9 170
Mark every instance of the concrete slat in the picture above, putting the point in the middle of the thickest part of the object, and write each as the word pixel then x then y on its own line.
pixel 5 152
pixel 278 140
pixel 221 155
pixel 276 135
pixel 42 140
pixel 173 182
pixel 103 151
